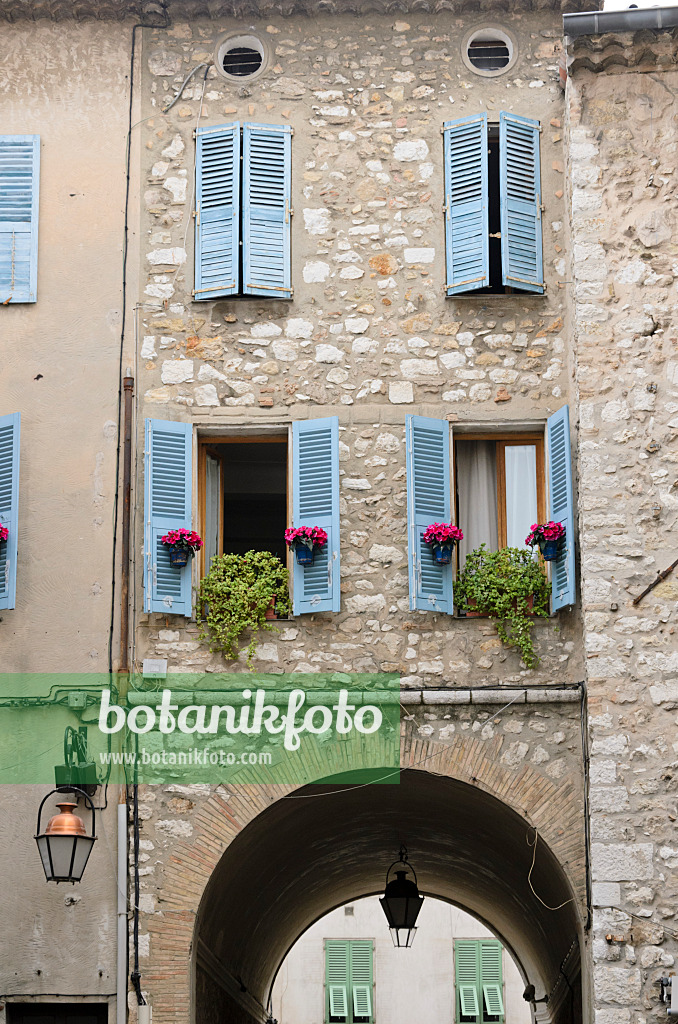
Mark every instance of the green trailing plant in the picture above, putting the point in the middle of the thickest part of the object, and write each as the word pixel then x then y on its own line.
pixel 500 584
pixel 234 597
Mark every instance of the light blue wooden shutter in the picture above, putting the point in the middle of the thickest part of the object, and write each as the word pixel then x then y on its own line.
pixel 167 506
pixel 315 492
pixel 217 211
pixel 561 506
pixel 466 204
pixel 267 182
pixel 336 979
pixel 9 505
pixel 467 979
pixel 19 187
pixel 520 192
pixel 428 501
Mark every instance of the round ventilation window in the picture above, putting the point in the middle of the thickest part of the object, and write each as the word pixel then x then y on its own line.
pixel 488 51
pixel 240 57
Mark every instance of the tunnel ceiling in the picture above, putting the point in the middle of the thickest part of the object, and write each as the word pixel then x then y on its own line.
pixel 306 855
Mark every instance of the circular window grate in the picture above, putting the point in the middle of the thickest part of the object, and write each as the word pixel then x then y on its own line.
pixel 488 54
pixel 241 61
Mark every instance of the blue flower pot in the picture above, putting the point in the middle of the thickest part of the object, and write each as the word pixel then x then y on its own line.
pixel 442 555
pixel 179 556
pixel 549 550
pixel 304 554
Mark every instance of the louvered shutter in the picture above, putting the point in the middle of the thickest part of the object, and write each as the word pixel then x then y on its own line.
pixel 167 506
pixel 337 979
pixel 520 193
pixel 561 506
pixel 491 977
pixel 315 491
pixel 466 204
pixel 428 501
pixel 267 181
pixel 19 187
pixel 361 979
pixel 217 212
pixel 467 979
pixel 9 505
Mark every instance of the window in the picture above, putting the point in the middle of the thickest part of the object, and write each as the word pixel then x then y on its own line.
pixel 57 1013
pixel 493 205
pixel 240 57
pixel 348 981
pixel 243 211
pixel 499 482
pixel 243 487
pixel 478 981
pixel 488 51
pixel 9 505
pixel 19 182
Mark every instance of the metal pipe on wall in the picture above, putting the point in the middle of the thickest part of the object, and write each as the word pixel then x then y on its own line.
pixel 121 973
pixel 128 385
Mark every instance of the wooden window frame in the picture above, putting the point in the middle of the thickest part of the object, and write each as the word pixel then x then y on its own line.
pixel 207 443
pixel 504 440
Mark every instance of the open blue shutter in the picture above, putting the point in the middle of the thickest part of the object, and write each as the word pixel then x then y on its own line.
pixel 267 182
pixel 428 501
pixel 9 505
pixel 466 204
pixel 217 211
pixel 561 506
pixel 315 491
pixel 19 185
pixel 167 506
pixel 520 191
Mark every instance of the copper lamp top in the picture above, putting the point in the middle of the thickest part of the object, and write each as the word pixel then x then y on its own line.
pixel 66 823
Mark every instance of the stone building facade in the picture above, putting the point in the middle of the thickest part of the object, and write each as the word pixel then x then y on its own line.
pixel 495 796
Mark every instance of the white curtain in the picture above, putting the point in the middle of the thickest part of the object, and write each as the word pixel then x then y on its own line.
pixel 212 510
pixel 521 492
pixel 476 475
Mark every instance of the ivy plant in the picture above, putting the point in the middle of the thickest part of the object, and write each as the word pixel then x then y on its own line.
pixel 500 584
pixel 234 597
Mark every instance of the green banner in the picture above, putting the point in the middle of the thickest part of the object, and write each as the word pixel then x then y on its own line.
pixel 82 730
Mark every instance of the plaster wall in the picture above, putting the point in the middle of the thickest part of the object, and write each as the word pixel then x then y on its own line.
pixel 413 984
pixel 623 108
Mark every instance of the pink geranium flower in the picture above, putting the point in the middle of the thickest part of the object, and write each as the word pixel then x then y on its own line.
pixel 182 538
pixel 307 536
pixel 541 532
pixel 442 533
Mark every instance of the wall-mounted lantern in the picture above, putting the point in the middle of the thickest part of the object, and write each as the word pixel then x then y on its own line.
pixel 65 845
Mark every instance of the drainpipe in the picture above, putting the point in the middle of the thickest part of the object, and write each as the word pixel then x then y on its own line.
pixel 633 20
pixel 128 385
pixel 121 980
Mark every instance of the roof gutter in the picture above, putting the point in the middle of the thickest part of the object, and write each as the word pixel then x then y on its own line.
pixel 596 23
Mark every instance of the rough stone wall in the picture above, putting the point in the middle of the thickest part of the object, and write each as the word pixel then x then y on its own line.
pixel 622 160
pixel 369 335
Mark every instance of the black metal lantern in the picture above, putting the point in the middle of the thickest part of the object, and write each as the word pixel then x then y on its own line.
pixel 65 846
pixel 401 901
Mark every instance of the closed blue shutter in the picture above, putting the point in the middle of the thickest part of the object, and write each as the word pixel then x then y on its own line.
pixel 267 182
pixel 19 186
pixel 561 506
pixel 9 505
pixel 167 506
pixel 520 191
pixel 315 468
pixel 466 204
pixel 217 211
pixel 428 501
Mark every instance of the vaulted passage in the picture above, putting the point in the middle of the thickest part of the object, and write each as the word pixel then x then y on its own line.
pixel 321 847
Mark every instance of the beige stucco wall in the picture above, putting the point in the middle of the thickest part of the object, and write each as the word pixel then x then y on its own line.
pixel 409 984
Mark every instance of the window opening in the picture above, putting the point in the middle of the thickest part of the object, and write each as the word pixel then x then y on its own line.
pixel 241 61
pixel 488 54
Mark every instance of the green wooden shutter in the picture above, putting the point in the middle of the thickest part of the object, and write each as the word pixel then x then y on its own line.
pixel 217 211
pixel 520 194
pixel 337 971
pixel 561 506
pixel 467 979
pixel 167 506
pixel 467 236
pixel 19 187
pixel 360 953
pixel 491 978
pixel 9 505
pixel 267 209
pixel 428 501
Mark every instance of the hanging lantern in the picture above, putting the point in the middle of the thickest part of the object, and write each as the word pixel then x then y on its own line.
pixel 401 901
pixel 65 846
